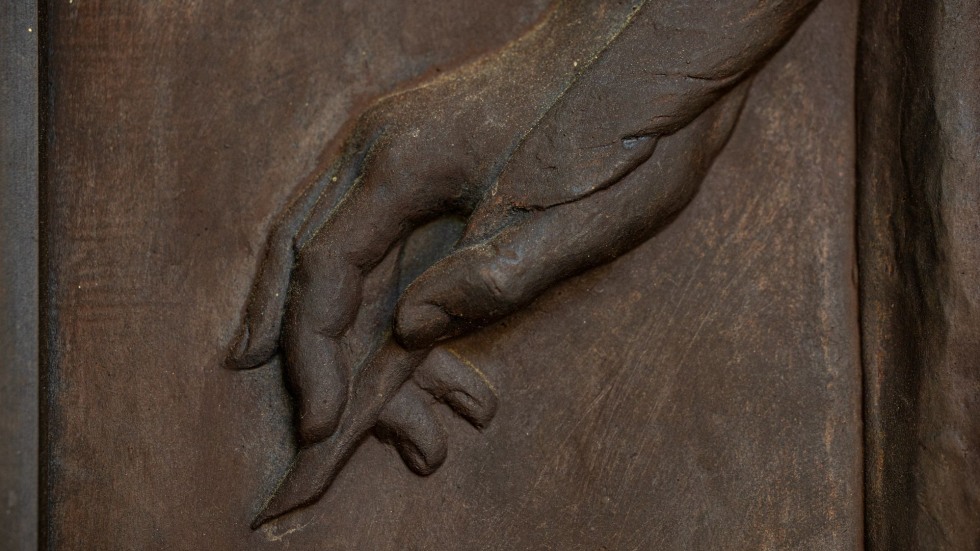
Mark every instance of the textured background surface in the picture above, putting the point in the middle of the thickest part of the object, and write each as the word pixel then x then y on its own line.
pixel 701 392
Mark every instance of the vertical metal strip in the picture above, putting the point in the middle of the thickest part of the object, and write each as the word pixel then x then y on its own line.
pixel 19 406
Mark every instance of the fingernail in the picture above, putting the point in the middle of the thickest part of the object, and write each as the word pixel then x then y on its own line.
pixel 420 325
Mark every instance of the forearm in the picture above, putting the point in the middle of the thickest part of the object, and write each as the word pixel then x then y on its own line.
pixel 669 61
pixel 663 60
pixel 527 76
pixel 677 57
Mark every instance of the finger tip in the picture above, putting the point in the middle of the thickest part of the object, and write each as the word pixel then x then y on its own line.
pixel 238 350
pixel 313 432
pixel 272 510
pixel 237 364
pixel 478 410
pixel 317 427
pixel 420 325
pixel 260 520
pixel 245 362
pixel 426 459
pixel 481 420
pixel 269 513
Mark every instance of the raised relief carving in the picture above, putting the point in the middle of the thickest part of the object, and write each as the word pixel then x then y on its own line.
pixel 461 198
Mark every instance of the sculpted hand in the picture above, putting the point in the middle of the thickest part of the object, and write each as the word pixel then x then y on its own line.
pixel 430 150
pixel 556 169
pixel 514 247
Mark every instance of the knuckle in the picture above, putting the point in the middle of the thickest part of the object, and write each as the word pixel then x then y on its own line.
pixel 500 284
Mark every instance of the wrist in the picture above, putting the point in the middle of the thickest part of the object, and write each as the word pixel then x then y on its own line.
pixel 536 70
